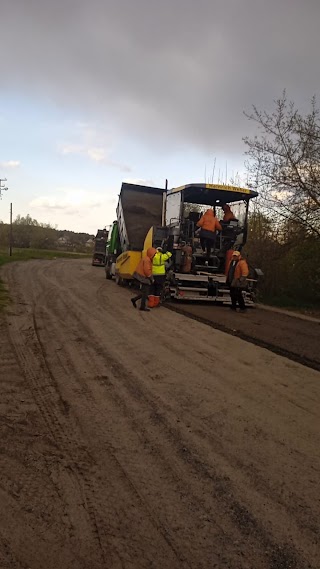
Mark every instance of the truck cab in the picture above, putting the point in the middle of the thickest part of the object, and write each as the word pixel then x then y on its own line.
pixel 113 250
pixel 99 250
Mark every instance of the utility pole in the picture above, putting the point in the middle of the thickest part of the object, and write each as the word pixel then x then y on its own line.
pixel 11 233
pixel 2 188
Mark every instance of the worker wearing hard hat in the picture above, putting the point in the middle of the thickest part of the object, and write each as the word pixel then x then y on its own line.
pixel 237 274
pixel 143 275
pixel 159 275
pixel 208 225
pixel 228 214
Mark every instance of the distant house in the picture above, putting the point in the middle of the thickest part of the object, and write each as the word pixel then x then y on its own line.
pixel 62 241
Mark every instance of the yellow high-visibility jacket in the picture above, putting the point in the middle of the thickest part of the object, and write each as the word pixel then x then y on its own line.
pixel 159 263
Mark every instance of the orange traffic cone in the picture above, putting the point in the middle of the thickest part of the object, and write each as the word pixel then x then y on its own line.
pixel 156 301
pixel 151 300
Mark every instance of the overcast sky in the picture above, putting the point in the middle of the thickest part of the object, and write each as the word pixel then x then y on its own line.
pixel 95 92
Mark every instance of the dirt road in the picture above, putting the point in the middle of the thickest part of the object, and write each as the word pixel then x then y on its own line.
pixel 134 441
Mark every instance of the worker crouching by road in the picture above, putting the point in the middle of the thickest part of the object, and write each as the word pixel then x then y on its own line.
pixel 237 280
pixel 143 274
pixel 159 276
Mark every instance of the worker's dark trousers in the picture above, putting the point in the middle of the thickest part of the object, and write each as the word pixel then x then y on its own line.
pixel 143 295
pixel 236 296
pixel 158 282
pixel 207 243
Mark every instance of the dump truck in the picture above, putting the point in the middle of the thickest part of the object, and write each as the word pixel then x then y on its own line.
pixel 99 250
pixel 155 217
pixel 139 208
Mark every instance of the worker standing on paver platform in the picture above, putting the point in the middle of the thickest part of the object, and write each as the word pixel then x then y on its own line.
pixel 187 259
pixel 208 225
pixel 228 214
pixel 237 274
pixel 143 274
pixel 159 275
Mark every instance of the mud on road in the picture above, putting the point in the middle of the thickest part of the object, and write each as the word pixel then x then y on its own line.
pixel 133 440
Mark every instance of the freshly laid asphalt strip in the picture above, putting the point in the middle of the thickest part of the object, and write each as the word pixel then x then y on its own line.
pixel 285 335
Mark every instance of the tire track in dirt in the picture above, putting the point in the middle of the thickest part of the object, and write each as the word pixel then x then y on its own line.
pixel 125 407
pixel 68 369
pixel 195 559
pixel 52 411
pixel 21 486
pixel 241 513
pixel 213 440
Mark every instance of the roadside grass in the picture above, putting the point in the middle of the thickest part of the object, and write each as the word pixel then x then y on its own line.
pixel 27 255
pixel 292 304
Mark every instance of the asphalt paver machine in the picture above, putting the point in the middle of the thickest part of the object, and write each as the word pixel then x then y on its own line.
pixel 194 275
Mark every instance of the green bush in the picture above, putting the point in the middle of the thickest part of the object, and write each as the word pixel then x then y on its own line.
pixel 289 260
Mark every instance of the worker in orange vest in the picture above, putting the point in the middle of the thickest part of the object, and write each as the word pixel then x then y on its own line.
pixel 237 273
pixel 143 275
pixel 187 257
pixel 228 214
pixel 208 225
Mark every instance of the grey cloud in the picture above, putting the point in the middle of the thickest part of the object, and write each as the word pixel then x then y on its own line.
pixel 178 73
pixel 96 154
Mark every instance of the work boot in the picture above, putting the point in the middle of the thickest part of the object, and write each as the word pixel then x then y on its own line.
pixel 151 301
pixel 134 304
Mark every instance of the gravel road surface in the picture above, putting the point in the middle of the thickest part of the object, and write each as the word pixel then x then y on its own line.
pixel 132 440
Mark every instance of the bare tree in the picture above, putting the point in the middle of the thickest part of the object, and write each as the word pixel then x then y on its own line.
pixel 284 163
